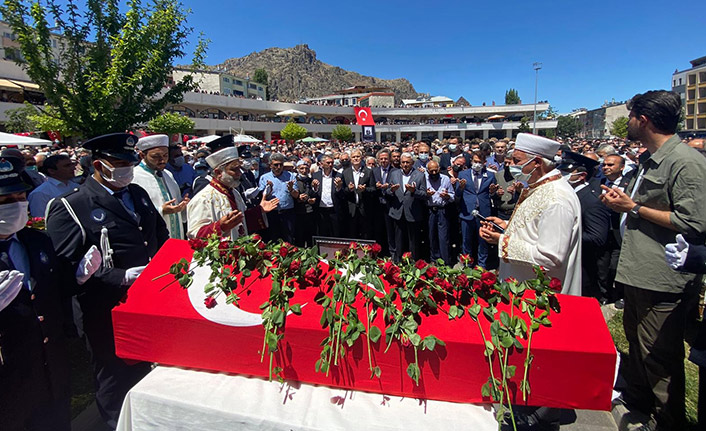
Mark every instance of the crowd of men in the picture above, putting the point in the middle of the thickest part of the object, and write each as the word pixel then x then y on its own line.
pixel 598 214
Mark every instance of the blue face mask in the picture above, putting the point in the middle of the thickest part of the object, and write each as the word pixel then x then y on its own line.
pixel 516 171
pixel 424 157
pixel 31 168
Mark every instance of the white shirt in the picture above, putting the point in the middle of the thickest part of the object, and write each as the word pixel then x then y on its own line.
pixel 357 175
pixel 326 185
pixel 48 190
pixel 545 230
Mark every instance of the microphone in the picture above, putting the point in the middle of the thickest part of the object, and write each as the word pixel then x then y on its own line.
pixel 478 215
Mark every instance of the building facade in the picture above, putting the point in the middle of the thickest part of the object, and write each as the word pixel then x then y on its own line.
pixel 224 84
pixel 691 86
pixel 597 123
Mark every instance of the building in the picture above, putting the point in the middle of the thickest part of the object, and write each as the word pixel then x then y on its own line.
pixel 691 86
pixel 224 83
pixel 358 95
pixel 377 100
pixel 596 123
pixel 428 102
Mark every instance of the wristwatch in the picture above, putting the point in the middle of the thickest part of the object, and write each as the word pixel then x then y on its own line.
pixel 635 211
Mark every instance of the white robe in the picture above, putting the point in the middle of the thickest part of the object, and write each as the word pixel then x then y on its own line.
pixel 545 230
pixel 159 195
pixel 208 206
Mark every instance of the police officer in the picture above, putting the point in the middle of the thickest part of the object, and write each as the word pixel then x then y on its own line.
pixel 119 218
pixel 34 365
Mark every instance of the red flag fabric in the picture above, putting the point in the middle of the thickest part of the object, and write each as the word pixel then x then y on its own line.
pixel 364 117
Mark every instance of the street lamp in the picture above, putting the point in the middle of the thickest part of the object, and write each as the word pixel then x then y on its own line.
pixel 536 66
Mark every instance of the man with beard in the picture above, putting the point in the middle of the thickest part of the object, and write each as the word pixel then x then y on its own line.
pixel 663 199
pixel 219 208
pixel 384 226
pixel 406 195
pixel 159 183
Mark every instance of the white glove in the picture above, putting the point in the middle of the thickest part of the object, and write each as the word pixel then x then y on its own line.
pixel 252 192
pixel 675 253
pixel 88 266
pixel 10 285
pixel 131 275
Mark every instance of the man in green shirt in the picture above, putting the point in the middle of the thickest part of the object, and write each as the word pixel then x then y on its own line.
pixel 664 198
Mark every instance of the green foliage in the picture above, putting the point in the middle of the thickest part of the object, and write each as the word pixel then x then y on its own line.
pixel 549 114
pixel 524 125
pixel 170 123
pixel 567 126
pixel 109 69
pixel 619 127
pixel 293 131
pixel 511 97
pixel 260 76
pixel 342 133
pixel 49 119
pixel 19 119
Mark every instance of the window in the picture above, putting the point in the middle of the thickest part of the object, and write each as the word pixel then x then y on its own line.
pixel 237 82
pixel 238 93
pixel 252 86
pixel 259 88
pixel 679 81
pixel 225 79
pixel 226 91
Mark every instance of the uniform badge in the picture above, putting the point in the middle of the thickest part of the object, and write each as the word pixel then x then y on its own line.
pixel 5 166
pixel 144 202
pixel 98 215
pixel 130 141
pixel 43 257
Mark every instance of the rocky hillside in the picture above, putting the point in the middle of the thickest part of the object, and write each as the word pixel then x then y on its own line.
pixel 294 73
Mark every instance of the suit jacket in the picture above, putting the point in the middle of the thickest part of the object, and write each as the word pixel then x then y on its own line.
pixel 411 206
pixel 595 221
pixel 336 196
pixel 36 364
pixel 471 198
pixel 380 195
pixel 133 241
pixel 445 160
pixel 615 239
pixel 363 197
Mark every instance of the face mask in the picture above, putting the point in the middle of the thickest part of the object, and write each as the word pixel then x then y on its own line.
pixel 634 151
pixel 13 217
pixel 600 160
pixel 229 180
pixel 456 168
pixel 453 147
pixel 434 176
pixel 345 163
pixel 119 177
pixel 201 172
pixel 336 163
pixel 517 174
pixel 477 167
pixel 424 157
pixel 31 168
pixel 178 161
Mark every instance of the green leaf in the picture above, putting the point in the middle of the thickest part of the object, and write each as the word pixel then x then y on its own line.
pixel 271 340
pixel 413 372
pixel 510 371
pixel 415 339
pixel 505 319
pixel 453 312
pixel 429 342
pixel 377 371
pixel 296 309
pixel 485 390
pixel 506 340
pixel 374 333
pixel 474 310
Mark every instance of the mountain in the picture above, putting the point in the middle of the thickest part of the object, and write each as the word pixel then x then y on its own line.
pixel 294 73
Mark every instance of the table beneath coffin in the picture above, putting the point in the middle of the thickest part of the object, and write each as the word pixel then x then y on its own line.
pixel 178 399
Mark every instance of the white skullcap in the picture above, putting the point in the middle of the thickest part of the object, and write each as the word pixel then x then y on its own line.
pixel 152 141
pixel 221 157
pixel 536 145
pixel 301 162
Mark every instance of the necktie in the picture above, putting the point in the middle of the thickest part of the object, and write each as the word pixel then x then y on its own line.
pixel 5 254
pixel 120 195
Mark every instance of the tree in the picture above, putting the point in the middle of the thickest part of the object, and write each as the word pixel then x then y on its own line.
pixel 260 76
pixel 50 120
pixel 109 69
pixel 524 125
pixel 619 127
pixel 342 133
pixel 170 123
pixel 567 126
pixel 549 114
pixel 293 131
pixel 19 119
pixel 511 97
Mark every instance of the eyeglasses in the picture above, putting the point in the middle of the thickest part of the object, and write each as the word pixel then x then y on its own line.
pixel 276 165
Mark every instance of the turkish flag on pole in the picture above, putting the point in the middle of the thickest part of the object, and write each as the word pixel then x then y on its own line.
pixel 364 117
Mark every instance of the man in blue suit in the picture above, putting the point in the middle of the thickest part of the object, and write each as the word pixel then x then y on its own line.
pixel 475 195
pixel 406 196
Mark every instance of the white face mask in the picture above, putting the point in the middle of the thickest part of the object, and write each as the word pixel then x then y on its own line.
pixel 119 177
pixel 477 167
pixel 13 217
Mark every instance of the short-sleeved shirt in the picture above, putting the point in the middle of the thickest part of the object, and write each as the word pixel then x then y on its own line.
pixel 279 188
pixel 672 179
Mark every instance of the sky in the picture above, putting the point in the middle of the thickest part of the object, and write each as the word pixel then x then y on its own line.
pixel 591 51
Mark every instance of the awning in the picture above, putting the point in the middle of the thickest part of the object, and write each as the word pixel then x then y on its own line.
pixel 27 85
pixel 9 85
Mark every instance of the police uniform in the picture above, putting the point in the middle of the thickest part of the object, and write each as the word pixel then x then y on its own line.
pixel 34 366
pixel 128 238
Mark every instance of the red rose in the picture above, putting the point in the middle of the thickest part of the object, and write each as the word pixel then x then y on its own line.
pixel 283 251
pixel 311 275
pixel 210 302
pixel 375 249
pixel 267 255
pixel 407 255
pixel 353 245
pixel 511 280
pixel 488 278
pixel 294 266
pixel 389 267
pixel 420 264
pixel 432 271
pixel 443 284
pixel 224 247
pixel 462 280
pixel 294 250
pixel 555 284
pixel 197 244
pixel 465 259
pixel 261 245
pixel 256 237
pixel 477 285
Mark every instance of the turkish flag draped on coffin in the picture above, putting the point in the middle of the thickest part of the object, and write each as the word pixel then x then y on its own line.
pixel 573 366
